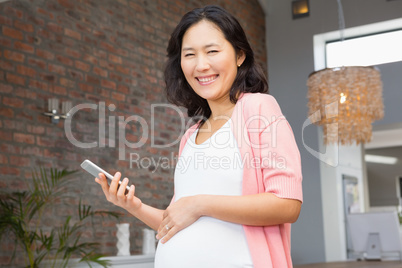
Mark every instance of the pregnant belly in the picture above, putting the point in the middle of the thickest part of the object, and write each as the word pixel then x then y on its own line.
pixel 208 242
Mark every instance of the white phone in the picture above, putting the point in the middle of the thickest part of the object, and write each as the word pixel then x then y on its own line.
pixel 94 170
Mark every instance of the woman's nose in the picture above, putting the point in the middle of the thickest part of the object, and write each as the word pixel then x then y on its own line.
pixel 202 64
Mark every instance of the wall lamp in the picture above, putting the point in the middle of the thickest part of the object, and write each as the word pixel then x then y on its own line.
pixel 53 110
pixel 300 9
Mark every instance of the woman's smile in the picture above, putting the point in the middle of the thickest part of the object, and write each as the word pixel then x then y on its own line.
pixel 206 80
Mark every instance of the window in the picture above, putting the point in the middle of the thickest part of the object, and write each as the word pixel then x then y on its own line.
pixel 364 38
pixel 369 50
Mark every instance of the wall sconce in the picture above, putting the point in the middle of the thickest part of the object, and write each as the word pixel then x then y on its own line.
pixel 53 107
pixel 300 9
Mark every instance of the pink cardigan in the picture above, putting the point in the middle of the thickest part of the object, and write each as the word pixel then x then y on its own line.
pixel 272 165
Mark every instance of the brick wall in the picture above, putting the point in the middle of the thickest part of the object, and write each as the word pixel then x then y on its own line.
pixel 105 53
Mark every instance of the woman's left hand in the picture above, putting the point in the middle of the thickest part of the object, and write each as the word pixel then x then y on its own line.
pixel 178 216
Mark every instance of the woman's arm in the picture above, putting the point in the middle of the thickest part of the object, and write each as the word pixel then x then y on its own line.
pixel 259 210
pixel 149 215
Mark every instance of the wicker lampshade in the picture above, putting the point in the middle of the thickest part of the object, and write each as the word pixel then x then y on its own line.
pixel 345 101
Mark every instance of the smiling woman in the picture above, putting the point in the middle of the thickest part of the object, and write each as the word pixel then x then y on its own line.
pixel 209 62
pixel 232 207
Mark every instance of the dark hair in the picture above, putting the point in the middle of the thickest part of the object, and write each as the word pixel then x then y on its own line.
pixel 250 77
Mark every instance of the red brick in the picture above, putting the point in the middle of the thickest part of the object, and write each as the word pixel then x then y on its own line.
pixel 37 63
pixel 51 154
pixel 24 138
pixel 5 42
pixel 38 84
pixel 100 71
pixel 54 27
pixel 115 77
pixel 6 65
pixel 23 26
pixel 13 33
pixel 108 84
pixel 47 77
pixel 24 92
pixel 5 21
pixel 13 102
pixel 76 75
pixel 6 135
pixel 9 171
pixel 66 3
pixel 15 56
pixel 73 53
pixel 106 64
pixel 92 80
pixel 3 159
pixel 4 88
pixel 27 71
pixel 122 69
pixel 83 28
pixel 35 129
pixel 6 112
pixel 44 141
pixel 10 11
pixel 32 150
pixel 72 34
pixel 45 34
pixel 14 125
pixel 35 20
pixel 45 54
pixel 82 66
pixel 122 88
pixel 118 96
pixel 110 48
pixel 57 69
pixel 90 59
pixel 67 82
pixel 64 60
pixel 115 59
pixel 15 79
pixel 58 90
pixel 86 87
pixel 45 12
pixel 8 148
pixel 20 161
pixel 24 47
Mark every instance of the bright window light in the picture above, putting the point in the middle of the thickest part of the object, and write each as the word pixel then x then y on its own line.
pixel 365 51
pixel 379 159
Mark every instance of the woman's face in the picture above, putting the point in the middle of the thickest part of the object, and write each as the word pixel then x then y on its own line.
pixel 209 62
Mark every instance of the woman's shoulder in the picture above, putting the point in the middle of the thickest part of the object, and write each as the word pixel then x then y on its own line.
pixel 260 103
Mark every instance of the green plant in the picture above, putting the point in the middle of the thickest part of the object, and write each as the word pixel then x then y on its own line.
pixel 21 214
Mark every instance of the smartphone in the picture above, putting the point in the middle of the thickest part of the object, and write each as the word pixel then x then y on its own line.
pixel 94 170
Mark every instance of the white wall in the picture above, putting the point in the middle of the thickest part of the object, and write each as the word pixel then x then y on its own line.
pixel 290 61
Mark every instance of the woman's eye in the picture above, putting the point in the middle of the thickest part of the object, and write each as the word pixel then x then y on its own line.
pixel 212 51
pixel 188 55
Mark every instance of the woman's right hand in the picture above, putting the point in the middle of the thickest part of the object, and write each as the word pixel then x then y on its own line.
pixel 115 194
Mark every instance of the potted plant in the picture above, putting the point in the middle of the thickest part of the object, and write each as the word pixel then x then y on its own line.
pixel 21 214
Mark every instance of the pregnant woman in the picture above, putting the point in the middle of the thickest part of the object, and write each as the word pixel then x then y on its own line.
pixel 238 179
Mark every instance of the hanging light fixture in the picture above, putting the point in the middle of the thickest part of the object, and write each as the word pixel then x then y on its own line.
pixel 345 100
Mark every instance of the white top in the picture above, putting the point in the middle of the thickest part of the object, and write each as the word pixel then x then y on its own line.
pixel 214 168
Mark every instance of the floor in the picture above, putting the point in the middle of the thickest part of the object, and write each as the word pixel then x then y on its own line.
pixel 355 264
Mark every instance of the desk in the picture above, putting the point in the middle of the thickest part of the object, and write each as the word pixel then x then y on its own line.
pixel 354 264
pixel 133 261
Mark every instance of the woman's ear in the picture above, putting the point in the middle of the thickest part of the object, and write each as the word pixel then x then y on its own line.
pixel 241 56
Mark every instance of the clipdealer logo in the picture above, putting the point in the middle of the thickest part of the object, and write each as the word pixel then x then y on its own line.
pixel 122 123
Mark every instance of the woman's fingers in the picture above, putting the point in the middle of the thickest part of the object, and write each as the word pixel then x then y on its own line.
pixel 122 188
pixel 101 179
pixel 115 183
pixel 169 233
pixel 130 194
